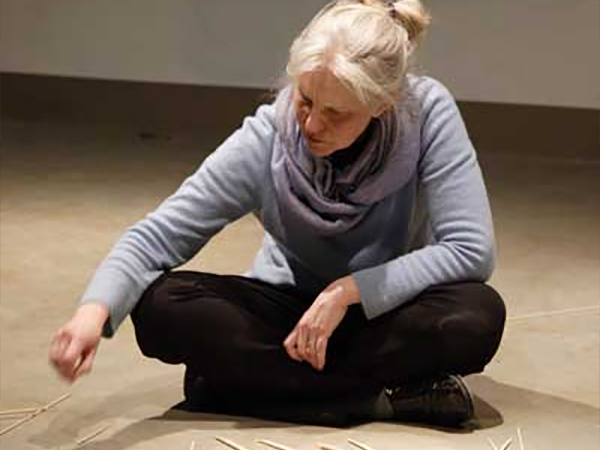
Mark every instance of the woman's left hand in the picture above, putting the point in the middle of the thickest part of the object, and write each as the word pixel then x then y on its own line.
pixel 308 340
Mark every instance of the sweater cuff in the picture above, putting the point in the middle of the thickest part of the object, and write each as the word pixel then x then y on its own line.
pixel 371 298
pixel 108 289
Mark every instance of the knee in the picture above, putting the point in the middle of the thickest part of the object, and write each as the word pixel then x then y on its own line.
pixel 150 317
pixel 475 330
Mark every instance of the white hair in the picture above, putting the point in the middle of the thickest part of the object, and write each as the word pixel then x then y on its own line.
pixel 365 44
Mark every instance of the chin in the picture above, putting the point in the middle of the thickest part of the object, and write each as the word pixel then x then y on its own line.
pixel 320 150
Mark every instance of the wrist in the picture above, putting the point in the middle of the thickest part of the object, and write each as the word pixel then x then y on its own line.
pixel 94 313
pixel 348 290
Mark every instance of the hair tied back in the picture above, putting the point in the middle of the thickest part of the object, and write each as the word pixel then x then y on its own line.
pixel 391 6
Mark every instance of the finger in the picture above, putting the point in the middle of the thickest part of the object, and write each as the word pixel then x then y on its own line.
pixel 71 359
pixel 311 350
pixel 86 363
pixel 291 347
pixel 301 343
pixel 321 352
pixel 57 347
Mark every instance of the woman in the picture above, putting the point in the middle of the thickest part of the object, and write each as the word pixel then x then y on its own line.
pixel 367 299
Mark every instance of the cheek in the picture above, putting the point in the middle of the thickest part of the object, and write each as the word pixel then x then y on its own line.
pixel 350 132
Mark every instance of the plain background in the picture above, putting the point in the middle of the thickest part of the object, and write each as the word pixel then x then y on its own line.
pixel 541 52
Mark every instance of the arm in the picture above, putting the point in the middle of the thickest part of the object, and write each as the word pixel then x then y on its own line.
pixel 226 187
pixel 458 210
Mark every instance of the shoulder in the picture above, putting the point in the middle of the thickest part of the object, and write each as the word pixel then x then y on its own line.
pixel 429 93
pixel 437 110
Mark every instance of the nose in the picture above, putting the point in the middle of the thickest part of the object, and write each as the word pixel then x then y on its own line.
pixel 313 125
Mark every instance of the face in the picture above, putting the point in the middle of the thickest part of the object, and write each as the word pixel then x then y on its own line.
pixel 331 118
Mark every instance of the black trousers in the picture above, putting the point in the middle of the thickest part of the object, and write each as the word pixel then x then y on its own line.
pixel 230 330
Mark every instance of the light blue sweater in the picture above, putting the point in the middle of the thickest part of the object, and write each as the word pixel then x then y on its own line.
pixel 436 229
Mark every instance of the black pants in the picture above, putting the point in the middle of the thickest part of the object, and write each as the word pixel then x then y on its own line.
pixel 230 329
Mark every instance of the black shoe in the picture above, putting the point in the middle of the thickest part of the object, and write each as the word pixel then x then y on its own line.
pixel 198 397
pixel 444 401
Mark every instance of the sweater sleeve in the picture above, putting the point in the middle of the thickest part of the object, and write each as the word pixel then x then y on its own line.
pixel 225 187
pixel 458 209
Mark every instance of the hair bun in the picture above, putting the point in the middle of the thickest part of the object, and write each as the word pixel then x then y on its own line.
pixel 412 15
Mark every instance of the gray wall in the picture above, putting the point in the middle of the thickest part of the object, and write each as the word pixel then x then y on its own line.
pixel 521 51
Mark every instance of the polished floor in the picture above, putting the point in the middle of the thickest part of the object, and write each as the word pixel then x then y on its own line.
pixel 68 192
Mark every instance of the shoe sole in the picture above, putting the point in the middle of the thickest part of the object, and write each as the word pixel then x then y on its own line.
pixel 467 393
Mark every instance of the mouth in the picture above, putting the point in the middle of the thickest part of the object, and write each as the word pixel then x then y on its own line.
pixel 314 141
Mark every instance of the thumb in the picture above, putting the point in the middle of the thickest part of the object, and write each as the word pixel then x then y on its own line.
pixel 86 364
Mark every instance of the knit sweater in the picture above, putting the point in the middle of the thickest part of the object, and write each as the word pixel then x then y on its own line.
pixel 436 229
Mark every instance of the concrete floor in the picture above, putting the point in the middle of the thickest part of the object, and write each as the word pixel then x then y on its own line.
pixel 66 195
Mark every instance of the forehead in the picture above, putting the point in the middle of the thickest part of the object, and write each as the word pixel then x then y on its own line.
pixel 322 87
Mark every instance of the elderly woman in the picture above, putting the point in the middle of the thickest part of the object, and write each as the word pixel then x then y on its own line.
pixel 367 299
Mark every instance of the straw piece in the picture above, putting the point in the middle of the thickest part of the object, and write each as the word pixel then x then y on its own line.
pixel 230 444
pixel 38 411
pixel 274 445
pixel 327 447
pixel 53 403
pixel 359 444
pixel 17 424
pixel 520 436
pixel 193 445
pixel 15 412
pixel 560 312
pixel 492 444
pixel 507 444
pixel 91 436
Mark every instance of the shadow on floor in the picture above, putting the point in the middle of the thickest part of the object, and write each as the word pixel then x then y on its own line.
pixel 490 395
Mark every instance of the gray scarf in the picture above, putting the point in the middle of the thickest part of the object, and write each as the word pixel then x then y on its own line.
pixel 327 200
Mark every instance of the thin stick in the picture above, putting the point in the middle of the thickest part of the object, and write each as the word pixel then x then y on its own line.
pixel 230 444
pixel 193 445
pixel 520 436
pixel 274 445
pixel 561 312
pixel 492 444
pixel 507 444
pixel 15 412
pixel 38 411
pixel 327 447
pixel 91 436
pixel 359 444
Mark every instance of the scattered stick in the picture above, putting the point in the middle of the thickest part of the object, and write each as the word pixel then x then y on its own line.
pixel 274 445
pixel 520 436
pixel 89 437
pixel 359 444
pixel 37 412
pixel 327 447
pixel 561 312
pixel 230 444
pixel 17 412
pixel 492 444
pixel 507 444
pixel 193 445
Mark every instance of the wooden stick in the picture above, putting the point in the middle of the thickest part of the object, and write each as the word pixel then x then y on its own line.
pixel 520 436
pixel 15 412
pixel 507 444
pixel 91 436
pixel 327 447
pixel 38 411
pixel 193 445
pixel 359 444
pixel 230 444
pixel 492 444
pixel 560 312
pixel 274 445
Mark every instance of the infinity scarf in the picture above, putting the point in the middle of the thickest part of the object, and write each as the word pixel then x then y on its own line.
pixel 328 200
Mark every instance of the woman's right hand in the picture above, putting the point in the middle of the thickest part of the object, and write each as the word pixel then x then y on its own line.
pixel 74 345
